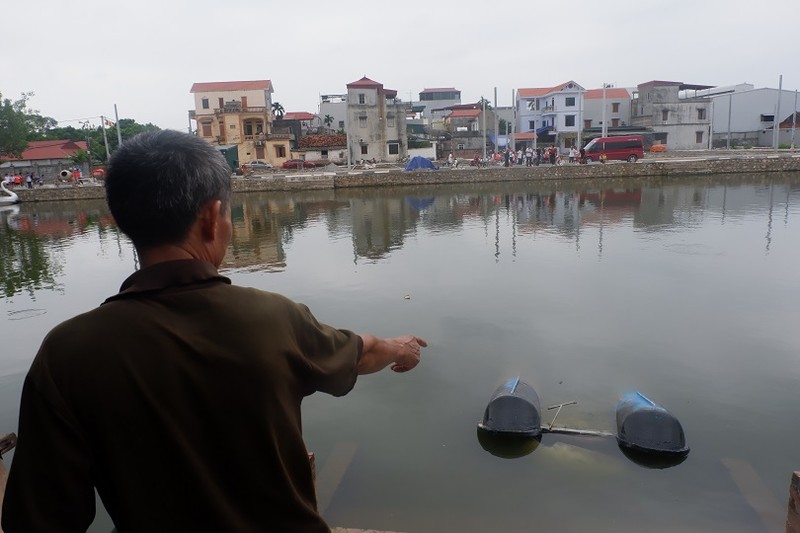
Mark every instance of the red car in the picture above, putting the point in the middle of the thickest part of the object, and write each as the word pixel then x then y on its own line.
pixel 298 163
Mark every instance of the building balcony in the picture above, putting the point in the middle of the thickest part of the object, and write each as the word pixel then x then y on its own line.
pixel 254 110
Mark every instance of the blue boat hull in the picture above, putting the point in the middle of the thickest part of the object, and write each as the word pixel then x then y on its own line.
pixel 644 426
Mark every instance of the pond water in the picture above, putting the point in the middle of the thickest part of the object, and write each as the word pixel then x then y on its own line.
pixel 686 290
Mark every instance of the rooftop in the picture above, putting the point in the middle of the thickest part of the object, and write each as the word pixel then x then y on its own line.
pixel 225 86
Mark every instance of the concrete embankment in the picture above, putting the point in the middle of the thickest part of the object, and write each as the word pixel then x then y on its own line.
pixel 662 168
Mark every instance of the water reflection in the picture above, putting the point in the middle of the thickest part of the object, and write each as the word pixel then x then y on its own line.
pixel 30 237
pixel 378 221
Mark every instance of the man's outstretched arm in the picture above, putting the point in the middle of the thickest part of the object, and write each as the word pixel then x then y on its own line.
pixel 402 353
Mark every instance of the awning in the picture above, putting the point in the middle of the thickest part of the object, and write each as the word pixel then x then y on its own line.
pixel 543 129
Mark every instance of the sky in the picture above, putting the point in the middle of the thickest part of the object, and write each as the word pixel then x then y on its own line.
pixel 81 58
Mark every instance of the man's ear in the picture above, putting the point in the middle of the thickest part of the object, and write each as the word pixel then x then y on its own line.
pixel 210 216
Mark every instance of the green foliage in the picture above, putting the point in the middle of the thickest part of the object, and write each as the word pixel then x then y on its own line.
pixel 13 126
pixel 20 125
pixel 484 100
pixel 277 110
pixel 414 143
pixel 328 120
pixel 502 127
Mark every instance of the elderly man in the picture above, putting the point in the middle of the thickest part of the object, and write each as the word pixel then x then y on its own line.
pixel 178 399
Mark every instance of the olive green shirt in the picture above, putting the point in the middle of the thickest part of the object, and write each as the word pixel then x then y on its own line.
pixel 178 399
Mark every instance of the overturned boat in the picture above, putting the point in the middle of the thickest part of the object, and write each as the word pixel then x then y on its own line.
pixel 645 427
pixel 513 409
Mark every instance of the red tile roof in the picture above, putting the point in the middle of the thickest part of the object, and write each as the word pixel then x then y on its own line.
pixel 613 92
pixel 60 149
pixel 364 82
pixel 656 83
pixel 223 86
pixel 469 113
pixel 440 90
pixel 323 141
pixel 541 91
pixel 298 115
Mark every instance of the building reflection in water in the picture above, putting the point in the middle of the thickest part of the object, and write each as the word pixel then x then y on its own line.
pixel 378 221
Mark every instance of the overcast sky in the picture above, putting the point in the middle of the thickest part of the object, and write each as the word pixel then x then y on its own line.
pixel 82 57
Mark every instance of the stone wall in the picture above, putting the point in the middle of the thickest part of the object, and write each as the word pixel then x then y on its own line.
pixel 793 518
pixel 379 178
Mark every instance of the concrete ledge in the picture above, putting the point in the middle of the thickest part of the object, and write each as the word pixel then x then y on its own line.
pixel 663 168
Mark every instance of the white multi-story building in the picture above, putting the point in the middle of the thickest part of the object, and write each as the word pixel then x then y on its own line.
pixel 376 125
pixel 334 106
pixel 553 113
pixel 617 107
pixel 673 110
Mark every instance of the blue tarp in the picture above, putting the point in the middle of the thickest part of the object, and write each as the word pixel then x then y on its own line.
pixel 500 141
pixel 544 129
pixel 419 163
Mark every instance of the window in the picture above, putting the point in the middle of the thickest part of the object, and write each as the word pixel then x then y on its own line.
pixel 531 124
pixel 615 107
pixel 341 124
pixel 232 126
pixel 323 154
pixel 390 121
pixel 204 103
pixel 362 98
pixel 364 149
pixel 280 151
pixel 394 148
pixel 569 101
pixel 701 114
pixel 664 115
pixel 460 146
pixel 614 122
pixel 569 120
pixel 362 122
pixel 587 123
pixel 767 118
pixel 206 128
pixel 698 137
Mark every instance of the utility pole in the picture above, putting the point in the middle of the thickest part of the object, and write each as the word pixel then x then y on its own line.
pixel 483 113
pixel 105 137
pixel 794 119
pixel 776 123
pixel 513 118
pixel 496 125
pixel 730 107
pixel 119 132
pixel 604 131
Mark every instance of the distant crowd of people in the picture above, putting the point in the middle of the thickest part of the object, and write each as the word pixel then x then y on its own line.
pixel 30 179
pixel 529 157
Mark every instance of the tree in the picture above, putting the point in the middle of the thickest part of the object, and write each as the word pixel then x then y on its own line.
pixel 13 126
pixel 483 101
pixel 328 120
pixel 277 110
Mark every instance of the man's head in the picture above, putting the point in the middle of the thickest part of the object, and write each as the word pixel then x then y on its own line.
pixel 159 182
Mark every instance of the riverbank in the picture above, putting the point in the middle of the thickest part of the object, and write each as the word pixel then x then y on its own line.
pixel 729 163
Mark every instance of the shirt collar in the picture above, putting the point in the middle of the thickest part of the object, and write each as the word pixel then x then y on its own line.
pixel 169 274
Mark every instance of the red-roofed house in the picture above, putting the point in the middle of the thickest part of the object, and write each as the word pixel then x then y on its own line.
pixel 553 113
pixel 377 122
pixel 239 114
pixel 309 122
pixel 464 124
pixel 617 103
pixel 45 158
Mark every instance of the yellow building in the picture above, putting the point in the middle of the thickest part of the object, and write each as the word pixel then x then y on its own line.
pixel 239 113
